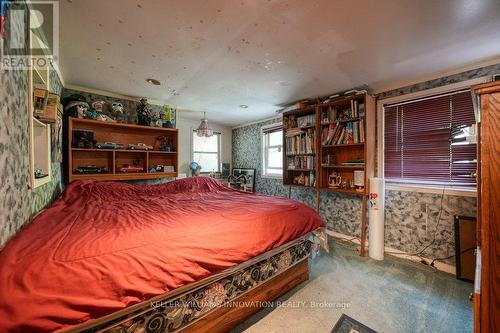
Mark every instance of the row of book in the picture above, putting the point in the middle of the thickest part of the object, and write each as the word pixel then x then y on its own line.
pixel 310 179
pixel 307 120
pixel 303 143
pixel 336 113
pixel 343 133
pixel 301 162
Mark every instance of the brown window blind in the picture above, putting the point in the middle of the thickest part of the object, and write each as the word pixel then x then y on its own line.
pixel 424 141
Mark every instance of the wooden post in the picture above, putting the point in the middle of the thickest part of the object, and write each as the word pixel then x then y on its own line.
pixel 318 200
pixel 363 226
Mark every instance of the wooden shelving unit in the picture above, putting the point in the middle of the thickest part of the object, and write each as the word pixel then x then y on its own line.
pixel 300 147
pixel 340 152
pixel 113 159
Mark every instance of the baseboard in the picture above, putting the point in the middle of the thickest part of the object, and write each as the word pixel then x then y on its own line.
pixel 398 253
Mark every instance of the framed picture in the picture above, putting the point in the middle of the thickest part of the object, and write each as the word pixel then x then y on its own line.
pixel 249 174
pixel 56 136
pixel 225 170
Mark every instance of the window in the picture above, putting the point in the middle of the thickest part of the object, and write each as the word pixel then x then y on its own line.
pixel 431 141
pixel 206 152
pixel 272 146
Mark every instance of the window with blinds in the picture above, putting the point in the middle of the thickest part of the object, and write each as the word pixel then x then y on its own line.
pixel 431 141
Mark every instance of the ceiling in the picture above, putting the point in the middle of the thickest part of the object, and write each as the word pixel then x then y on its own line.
pixel 216 55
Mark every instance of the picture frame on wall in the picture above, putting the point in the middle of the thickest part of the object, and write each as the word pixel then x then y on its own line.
pixel 249 174
pixel 56 136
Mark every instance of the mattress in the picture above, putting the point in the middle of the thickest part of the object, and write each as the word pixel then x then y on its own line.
pixel 102 247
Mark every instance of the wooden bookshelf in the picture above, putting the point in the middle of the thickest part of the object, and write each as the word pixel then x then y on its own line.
pixel 113 159
pixel 300 158
pixel 342 152
pixel 351 120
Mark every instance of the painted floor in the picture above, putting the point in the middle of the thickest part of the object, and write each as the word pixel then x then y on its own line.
pixel 393 295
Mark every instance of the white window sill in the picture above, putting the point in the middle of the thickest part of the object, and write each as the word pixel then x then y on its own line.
pixel 278 177
pixel 431 189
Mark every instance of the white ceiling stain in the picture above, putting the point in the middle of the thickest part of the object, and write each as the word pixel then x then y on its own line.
pixel 215 55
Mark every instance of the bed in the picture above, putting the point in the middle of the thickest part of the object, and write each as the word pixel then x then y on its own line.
pixel 182 256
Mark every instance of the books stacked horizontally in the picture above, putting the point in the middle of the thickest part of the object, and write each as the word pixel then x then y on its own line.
pixel 343 133
pixel 301 141
pixel 359 162
pixel 301 162
pixel 308 120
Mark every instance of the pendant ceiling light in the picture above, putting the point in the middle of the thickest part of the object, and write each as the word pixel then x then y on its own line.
pixel 203 130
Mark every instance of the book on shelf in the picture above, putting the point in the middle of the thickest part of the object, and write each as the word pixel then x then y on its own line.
pixel 307 120
pixel 301 162
pixel 332 114
pixel 302 143
pixel 343 133
pixel 358 162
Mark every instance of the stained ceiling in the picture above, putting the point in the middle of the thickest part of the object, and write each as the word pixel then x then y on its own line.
pixel 216 55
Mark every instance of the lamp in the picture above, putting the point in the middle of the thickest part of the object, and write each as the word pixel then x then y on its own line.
pixel 203 130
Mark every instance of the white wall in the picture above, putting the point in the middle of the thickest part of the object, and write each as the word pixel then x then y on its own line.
pixel 186 123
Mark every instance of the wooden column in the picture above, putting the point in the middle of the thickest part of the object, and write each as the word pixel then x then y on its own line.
pixel 487 300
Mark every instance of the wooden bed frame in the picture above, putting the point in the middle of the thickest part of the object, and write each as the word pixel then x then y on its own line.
pixel 218 302
pixel 225 318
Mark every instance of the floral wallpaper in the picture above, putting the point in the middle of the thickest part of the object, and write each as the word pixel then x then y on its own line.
pixel 19 203
pixel 129 106
pixel 443 81
pixel 410 217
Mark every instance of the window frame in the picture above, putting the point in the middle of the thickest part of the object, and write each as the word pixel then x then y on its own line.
pixel 264 134
pixel 412 187
pixel 219 139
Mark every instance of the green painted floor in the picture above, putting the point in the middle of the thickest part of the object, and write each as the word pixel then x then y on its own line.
pixel 393 295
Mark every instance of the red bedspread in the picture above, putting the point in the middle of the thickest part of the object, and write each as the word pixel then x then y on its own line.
pixel 104 246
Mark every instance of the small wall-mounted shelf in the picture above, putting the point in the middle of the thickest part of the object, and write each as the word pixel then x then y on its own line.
pixel 40 167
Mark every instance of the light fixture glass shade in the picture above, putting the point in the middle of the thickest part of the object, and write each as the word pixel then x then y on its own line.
pixel 203 130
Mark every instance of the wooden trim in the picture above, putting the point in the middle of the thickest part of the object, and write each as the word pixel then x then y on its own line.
pixel 487 88
pixel 363 227
pixel 228 316
pixel 123 126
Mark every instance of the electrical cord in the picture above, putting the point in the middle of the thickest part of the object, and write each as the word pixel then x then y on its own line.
pixel 453 255
pixel 436 231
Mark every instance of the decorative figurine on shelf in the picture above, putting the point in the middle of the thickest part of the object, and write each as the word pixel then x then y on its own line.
pixel 118 112
pixel 97 112
pixel 144 113
pixel 300 179
pixel 156 119
pixel 38 172
pixel 75 106
pixel 195 168
pixel 166 143
pixel 98 106
pixel 168 116
pixel 334 179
